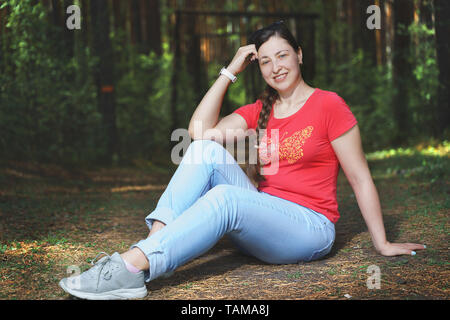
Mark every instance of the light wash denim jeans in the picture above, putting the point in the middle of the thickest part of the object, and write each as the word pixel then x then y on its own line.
pixel 209 196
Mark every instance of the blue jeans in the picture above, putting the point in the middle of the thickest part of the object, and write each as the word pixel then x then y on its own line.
pixel 209 196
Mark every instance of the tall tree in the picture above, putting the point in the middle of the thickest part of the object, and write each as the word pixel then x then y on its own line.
pixel 223 53
pixel 2 39
pixel 402 68
pixel 104 74
pixel 360 37
pixel 442 25
pixel 143 15
pixel 83 40
pixel 136 29
pixel 154 26
pixel 62 37
pixel 367 36
pixel 426 13
pixel 3 47
pixel 145 21
pixel 175 74
pixel 389 30
pixel 328 20
pixel 194 63
pixel 120 15
pixel 380 35
pixel 68 35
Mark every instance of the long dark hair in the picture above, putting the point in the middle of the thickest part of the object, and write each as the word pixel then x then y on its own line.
pixel 269 95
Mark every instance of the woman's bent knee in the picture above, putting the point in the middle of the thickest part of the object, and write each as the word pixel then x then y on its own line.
pixel 205 143
pixel 204 151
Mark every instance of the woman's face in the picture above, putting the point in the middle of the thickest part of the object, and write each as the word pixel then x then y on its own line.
pixel 279 64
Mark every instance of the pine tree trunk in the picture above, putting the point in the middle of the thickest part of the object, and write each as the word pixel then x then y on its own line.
pixel 328 20
pixel 367 38
pixel 136 34
pixel 403 16
pixel 194 63
pixel 442 25
pixel 381 35
pixel 3 47
pixel 426 13
pixel 154 26
pixel 175 73
pixel 104 74
pixel 68 35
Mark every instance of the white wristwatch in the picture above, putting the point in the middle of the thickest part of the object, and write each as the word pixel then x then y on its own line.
pixel 228 74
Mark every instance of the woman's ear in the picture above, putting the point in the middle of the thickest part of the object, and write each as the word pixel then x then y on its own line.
pixel 300 55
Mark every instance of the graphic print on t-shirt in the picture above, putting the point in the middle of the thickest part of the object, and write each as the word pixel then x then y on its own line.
pixel 290 148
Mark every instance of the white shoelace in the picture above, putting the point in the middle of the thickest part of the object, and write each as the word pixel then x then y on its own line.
pixel 102 264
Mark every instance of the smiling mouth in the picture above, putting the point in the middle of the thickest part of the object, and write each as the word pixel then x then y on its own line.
pixel 280 77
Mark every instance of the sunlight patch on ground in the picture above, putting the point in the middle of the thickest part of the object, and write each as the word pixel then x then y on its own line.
pixel 441 150
pixel 139 188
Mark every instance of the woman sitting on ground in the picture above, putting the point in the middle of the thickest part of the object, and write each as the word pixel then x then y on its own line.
pixel 289 217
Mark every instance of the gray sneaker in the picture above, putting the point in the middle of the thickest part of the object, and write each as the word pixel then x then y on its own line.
pixel 108 279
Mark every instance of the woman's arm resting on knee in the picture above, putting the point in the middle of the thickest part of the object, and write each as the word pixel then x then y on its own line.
pixel 349 151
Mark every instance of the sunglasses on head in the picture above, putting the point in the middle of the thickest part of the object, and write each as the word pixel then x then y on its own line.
pixel 256 33
pixel 277 23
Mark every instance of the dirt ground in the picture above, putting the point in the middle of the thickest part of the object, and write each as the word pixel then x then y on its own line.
pixel 53 218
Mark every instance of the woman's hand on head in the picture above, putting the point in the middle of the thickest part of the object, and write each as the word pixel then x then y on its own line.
pixel 243 57
pixel 395 249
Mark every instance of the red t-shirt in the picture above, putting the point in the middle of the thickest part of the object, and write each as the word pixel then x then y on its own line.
pixel 304 161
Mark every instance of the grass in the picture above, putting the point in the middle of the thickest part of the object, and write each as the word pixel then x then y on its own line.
pixel 53 218
pixel 295 275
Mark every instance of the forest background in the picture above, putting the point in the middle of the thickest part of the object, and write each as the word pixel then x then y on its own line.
pixel 87 114
pixel 113 91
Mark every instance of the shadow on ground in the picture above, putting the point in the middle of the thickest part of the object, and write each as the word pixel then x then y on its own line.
pixel 52 219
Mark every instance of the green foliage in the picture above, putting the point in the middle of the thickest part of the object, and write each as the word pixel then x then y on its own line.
pixel 423 94
pixel 48 96
pixel 46 112
pixel 425 163
pixel 143 102
pixel 368 92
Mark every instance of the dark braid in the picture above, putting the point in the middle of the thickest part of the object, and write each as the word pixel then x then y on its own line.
pixel 268 97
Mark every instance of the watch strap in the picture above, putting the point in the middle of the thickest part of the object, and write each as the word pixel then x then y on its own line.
pixel 228 74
